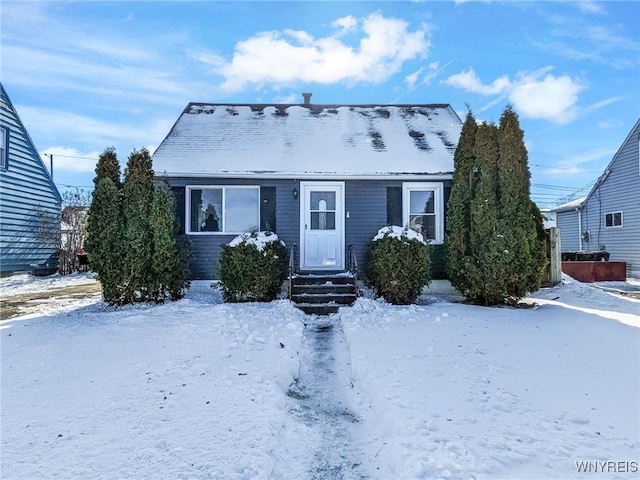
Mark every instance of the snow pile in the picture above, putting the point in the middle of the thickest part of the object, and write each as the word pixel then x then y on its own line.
pixel 259 239
pixel 191 389
pixel 460 391
pixel 199 389
pixel 403 233
pixel 26 283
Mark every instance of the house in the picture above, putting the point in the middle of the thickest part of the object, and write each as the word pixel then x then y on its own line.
pixel 608 218
pixel 569 221
pixel 323 177
pixel 29 200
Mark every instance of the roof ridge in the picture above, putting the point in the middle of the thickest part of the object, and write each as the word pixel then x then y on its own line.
pixel 262 105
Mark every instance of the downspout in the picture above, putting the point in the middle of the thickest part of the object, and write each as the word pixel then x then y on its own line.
pixel 579 211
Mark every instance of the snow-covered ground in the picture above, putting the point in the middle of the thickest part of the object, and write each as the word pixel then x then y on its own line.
pixel 199 389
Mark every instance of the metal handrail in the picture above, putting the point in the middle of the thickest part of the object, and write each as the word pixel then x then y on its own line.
pixel 292 267
pixel 353 266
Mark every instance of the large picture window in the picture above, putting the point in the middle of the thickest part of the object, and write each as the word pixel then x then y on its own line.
pixel 613 219
pixel 423 209
pixel 223 209
pixel 4 148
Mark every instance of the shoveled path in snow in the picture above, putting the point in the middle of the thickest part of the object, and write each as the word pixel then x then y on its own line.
pixel 323 430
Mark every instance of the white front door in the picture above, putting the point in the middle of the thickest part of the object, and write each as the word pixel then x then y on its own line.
pixel 322 226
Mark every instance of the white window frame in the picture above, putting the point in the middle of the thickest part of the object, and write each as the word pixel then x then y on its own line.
pixel 438 197
pixel 4 146
pixel 613 218
pixel 224 188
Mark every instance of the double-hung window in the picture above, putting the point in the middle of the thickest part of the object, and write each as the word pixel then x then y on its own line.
pixel 223 209
pixel 423 209
pixel 613 219
pixel 4 148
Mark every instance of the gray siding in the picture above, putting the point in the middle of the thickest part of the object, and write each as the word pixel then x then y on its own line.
pixel 570 235
pixel 25 188
pixel 206 248
pixel 619 190
pixel 365 202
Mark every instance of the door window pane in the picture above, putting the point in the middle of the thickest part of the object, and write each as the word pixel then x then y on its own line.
pixel 323 220
pixel 329 199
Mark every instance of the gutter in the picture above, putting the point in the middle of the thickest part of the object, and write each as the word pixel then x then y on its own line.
pixel 579 211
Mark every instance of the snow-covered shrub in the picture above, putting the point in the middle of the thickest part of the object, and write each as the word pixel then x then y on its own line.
pixel 399 265
pixel 252 267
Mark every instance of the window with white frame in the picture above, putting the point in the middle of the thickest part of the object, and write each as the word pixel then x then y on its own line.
pixel 4 148
pixel 223 209
pixel 423 209
pixel 613 219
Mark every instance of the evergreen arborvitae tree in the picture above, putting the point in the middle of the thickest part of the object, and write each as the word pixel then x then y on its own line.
pixel 108 167
pixel 136 208
pixel 519 218
pixel 104 239
pixel 457 239
pixel 169 270
pixel 496 253
pixel 104 226
pixel 485 268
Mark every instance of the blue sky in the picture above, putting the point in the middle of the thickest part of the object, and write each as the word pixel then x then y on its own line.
pixel 87 75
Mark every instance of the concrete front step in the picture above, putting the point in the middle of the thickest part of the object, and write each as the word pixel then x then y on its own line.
pixel 316 279
pixel 323 294
pixel 324 289
pixel 340 299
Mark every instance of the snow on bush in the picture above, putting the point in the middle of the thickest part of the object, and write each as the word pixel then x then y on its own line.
pixel 252 267
pixel 398 232
pixel 399 265
pixel 259 239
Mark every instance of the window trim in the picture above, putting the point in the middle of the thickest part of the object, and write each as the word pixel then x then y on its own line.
pixel 613 214
pixel 189 188
pixel 438 197
pixel 4 159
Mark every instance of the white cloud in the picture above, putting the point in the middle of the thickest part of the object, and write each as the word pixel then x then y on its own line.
pixel 470 82
pixel 552 98
pixel 290 56
pixel 286 99
pixel 89 132
pixel 572 164
pixel 537 94
pixel 346 24
pixel 412 78
pixel 589 6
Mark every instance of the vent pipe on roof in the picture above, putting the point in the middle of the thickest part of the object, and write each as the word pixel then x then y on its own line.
pixel 307 98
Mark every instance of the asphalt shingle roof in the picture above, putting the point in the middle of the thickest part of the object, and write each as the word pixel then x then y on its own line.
pixel 347 140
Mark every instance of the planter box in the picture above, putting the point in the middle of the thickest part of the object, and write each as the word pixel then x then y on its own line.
pixel 596 271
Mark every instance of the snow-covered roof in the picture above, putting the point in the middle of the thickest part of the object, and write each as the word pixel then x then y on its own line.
pixel 572 205
pixel 305 140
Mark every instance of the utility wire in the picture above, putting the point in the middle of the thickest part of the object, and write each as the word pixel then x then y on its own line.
pixel 69 156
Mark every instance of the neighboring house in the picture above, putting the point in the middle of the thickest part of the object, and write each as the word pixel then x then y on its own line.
pixel 323 177
pixel 608 218
pixel 29 200
pixel 569 221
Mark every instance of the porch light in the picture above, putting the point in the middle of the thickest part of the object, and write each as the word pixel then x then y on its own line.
pixel 295 193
